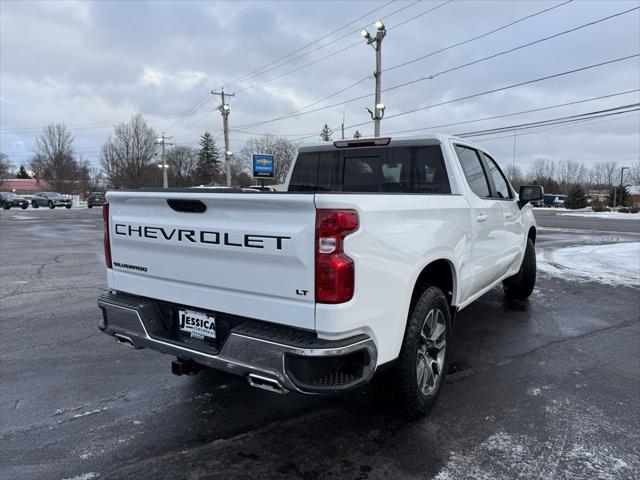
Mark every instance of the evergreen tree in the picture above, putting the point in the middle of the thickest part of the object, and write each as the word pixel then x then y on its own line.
pixel 620 195
pixel 576 198
pixel 357 134
pixel 22 173
pixel 326 133
pixel 207 169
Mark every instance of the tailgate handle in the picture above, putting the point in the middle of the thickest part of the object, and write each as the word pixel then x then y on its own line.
pixel 189 206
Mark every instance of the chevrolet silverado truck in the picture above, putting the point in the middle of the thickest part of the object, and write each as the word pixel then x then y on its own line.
pixel 358 267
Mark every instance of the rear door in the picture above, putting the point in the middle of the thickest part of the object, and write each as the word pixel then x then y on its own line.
pixel 513 229
pixel 488 217
pixel 245 254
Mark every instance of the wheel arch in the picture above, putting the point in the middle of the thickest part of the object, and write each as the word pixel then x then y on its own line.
pixel 531 234
pixel 440 273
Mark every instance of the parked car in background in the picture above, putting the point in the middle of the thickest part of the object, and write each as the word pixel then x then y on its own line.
pixel 50 199
pixel 95 199
pixel 10 199
pixel 554 201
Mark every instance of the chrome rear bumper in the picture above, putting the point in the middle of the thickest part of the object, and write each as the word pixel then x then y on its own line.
pixel 266 354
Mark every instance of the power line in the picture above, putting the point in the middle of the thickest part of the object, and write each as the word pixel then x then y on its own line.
pixel 87 126
pixel 495 90
pixel 197 120
pixel 477 37
pixel 519 47
pixel 632 107
pixel 338 51
pixel 443 72
pixel 587 121
pixel 192 111
pixel 493 117
pixel 515 85
pixel 504 115
pixel 262 70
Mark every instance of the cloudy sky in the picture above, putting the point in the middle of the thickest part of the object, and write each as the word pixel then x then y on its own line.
pixel 93 64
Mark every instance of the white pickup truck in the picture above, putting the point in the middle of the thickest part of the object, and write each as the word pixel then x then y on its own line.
pixel 361 264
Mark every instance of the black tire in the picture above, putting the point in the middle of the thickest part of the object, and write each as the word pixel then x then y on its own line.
pixel 34 205
pixel 51 205
pixel 6 206
pixel 418 397
pixel 24 207
pixel 520 286
pixel 68 206
pixel 89 205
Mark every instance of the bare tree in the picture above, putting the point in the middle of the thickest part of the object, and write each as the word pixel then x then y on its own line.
pixel 634 173
pixel 604 173
pixel 4 168
pixel 127 155
pixel 55 158
pixel 91 179
pixel 515 176
pixel 183 166
pixel 543 172
pixel 283 151
pixel 569 173
pixel 36 165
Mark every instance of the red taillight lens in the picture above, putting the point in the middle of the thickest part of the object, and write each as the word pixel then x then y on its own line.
pixel 335 272
pixel 105 241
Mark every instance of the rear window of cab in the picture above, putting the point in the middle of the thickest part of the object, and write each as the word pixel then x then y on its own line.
pixel 402 169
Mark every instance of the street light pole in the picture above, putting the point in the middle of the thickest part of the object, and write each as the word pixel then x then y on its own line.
pixel 163 164
pixel 224 111
pixel 621 186
pixel 376 43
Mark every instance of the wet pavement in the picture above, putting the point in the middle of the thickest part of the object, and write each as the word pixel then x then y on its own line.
pixel 547 388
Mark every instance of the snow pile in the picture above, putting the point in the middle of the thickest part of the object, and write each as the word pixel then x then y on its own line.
pixel 614 264
pixel 612 215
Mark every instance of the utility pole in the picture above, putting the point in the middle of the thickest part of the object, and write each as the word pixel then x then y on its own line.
pixel 513 162
pixel 621 187
pixel 224 111
pixel 376 43
pixel 162 141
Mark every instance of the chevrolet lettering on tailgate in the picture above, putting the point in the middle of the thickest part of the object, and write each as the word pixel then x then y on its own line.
pixel 209 237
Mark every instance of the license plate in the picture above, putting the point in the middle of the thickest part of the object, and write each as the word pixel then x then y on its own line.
pixel 197 324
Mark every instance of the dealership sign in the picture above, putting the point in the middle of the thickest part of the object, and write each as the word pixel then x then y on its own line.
pixel 263 166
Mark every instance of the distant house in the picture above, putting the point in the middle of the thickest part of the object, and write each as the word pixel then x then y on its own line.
pixel 634 194
pixel 598 195
pixel 24 186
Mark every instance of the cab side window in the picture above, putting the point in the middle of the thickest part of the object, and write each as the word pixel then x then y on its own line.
pixel 473 170
pixel 500 183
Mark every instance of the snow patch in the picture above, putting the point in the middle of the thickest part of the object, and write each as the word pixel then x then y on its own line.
pixel 504 457
pixel 84 476
pixel 611 215
pixel 613 264
pixel 89 412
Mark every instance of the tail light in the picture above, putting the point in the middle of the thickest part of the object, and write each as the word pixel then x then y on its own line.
pixel 335 272
pixel 106 239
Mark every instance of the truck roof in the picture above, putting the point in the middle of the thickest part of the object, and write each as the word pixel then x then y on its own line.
pixel 429 138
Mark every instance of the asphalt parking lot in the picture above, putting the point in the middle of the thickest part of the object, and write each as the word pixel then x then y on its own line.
pixel 544 389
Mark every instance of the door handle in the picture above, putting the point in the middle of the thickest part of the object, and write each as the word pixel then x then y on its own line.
pixel 481 218
pixel 508 216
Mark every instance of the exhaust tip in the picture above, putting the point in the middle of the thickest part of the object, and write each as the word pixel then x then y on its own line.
pixel 124 340
pixel 265 383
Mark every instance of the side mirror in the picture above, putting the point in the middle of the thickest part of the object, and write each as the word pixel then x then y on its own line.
pixel 530 193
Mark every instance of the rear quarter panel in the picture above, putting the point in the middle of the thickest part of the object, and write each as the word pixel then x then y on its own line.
pixel 398 236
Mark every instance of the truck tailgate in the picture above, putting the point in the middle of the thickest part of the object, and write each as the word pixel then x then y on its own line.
pixel 247 254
